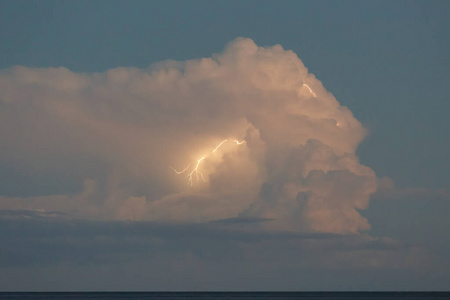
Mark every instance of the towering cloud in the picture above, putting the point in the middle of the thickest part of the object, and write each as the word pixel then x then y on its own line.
pixel 122 131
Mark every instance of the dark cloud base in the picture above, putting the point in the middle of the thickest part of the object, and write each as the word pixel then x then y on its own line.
pixel 207 256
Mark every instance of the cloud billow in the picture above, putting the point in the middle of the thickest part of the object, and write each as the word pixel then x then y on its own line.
pixel 124 130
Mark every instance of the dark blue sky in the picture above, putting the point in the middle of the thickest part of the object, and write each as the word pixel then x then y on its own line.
pixel 387 61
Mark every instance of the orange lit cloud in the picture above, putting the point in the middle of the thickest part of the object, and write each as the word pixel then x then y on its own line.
pixel 135 134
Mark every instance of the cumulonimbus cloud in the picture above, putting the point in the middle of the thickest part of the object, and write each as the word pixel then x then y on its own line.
pixel 126 130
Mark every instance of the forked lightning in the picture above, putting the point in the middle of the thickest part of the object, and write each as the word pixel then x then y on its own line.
pixel 195 171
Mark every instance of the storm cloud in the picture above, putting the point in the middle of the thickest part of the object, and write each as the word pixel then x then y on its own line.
pixel 121 135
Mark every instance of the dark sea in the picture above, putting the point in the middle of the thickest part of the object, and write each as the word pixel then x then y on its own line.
pixel 228 295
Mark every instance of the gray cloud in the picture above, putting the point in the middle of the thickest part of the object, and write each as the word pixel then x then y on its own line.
pixel 36 240
pixel 180 256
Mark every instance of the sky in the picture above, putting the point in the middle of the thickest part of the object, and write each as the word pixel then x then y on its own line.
pixel 224 146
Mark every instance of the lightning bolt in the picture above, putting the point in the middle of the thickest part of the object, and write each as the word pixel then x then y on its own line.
pixel 218 146
pixel 310 90
pixel 196 173
pixel 180 172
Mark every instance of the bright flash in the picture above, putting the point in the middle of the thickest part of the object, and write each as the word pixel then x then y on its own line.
pixel 310 90
pixel 195 172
